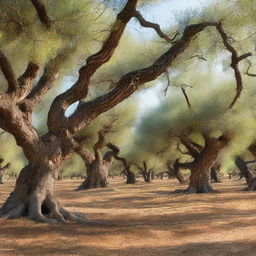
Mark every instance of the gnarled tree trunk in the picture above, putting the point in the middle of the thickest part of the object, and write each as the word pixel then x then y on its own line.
pixel 33 194
pixel 97 166
pixel 204 159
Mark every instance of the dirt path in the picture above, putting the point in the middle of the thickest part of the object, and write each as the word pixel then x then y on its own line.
pixel 143 220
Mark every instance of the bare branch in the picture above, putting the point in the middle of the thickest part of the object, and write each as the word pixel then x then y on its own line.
pixel 44 84
pixel 123 160
pixel 168 82
pixel 234 63
pixel 200 57
pixel 99 145
pixel 247 71
pixel 186 97
pixel 251 162
pixel 26 80
pixel 6 68
pixel 156 27
pixel 42 13
pixel 130 82
pixel 80 89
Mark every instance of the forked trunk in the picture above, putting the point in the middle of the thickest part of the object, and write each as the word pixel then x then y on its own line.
pixel 97 173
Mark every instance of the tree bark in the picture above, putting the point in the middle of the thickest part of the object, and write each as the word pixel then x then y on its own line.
pixel 97 173
pixel 96 165
pixel 244 170
pixel 200 168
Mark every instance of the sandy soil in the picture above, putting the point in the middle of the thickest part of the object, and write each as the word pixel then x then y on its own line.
pixel 144 220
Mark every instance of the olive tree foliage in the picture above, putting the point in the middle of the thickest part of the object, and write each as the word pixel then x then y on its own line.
pixel 73 27
pixel 156 137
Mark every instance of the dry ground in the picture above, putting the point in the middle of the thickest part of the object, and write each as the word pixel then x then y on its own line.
pixel 144 220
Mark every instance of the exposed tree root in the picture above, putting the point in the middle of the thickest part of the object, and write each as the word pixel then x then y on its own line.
pixel 193 190
pixel 49 211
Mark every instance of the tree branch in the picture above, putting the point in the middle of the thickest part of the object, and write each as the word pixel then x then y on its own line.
pixel 99 145
pixel 6 68
pixel 186 97
pixel 44 84
pixel 156 27
pixel 186 142
pixel 80 89
pixel 42 13
pixel 234 63
pixel 26 80
pixel 113 153
pixel 12 121
pixel 247 71
pixel 130 82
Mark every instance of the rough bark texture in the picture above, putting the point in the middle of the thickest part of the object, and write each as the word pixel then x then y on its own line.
pixel 97 166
